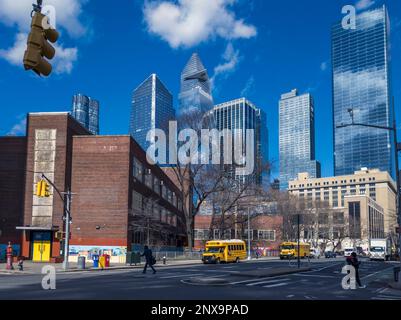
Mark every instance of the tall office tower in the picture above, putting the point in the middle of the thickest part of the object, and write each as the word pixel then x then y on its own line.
pixel 362 95
pixel 297 137
pixel 195 91
pixel 86 111
pixel 243 114
pixel 152 108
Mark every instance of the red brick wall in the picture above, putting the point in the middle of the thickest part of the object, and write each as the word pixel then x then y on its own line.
pixel 66 128
pixel 100 179
pixel 266 222
pixel 12 183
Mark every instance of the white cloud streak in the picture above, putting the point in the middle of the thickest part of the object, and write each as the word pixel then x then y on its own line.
pixel 187 23
pixel 364 4
pixel 19 128
pixel 231 59
pixel 16 13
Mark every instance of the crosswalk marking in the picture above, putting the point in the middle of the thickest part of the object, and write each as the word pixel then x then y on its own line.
pixel 268 281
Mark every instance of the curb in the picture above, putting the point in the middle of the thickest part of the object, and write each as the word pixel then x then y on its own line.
pixel 395 285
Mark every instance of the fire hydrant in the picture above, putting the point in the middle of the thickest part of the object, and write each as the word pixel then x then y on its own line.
pixel 9 254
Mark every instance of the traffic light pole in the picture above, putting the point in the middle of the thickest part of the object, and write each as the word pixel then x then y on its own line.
pixel 67 218
pixel 67 229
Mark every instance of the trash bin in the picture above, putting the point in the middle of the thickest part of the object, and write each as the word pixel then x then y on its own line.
pixel 102 261
pixel 136 258
pixel 95 258
pixel 106 260
pixel 81 262
pixel 128 259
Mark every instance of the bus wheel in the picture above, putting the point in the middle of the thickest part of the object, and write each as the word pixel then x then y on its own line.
pixel 218 261
pixel 237 260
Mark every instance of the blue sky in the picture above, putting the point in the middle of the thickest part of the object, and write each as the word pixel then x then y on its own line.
pixel 258 49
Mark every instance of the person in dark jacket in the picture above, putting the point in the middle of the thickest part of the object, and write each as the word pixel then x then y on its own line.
pixel 353 261
pixel 147 253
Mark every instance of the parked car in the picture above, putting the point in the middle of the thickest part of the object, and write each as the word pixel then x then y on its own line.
pixel 348 251
pixel 330 254
pixel 314 254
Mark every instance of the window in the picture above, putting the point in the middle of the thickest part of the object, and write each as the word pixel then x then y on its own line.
pixel 138 170
pixel 149 179
pixel 201 234
pixel 156 185
pixel 266 235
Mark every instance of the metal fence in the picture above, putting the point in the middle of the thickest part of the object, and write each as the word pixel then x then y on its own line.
pixel 177 255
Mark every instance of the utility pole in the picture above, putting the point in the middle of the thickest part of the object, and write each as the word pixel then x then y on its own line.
pixel 249 235
pixel 67 218
pixel 298 231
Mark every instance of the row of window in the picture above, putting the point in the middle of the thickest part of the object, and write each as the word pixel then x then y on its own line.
pixel 336 182
pixel 152 182
pixel 204 234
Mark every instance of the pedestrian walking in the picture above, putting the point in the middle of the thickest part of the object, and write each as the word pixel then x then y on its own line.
pixel 147 253
pixel 21 264
pixel 353 261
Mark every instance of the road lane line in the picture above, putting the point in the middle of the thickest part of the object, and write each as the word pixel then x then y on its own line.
pixel 181 275
pixel 372 274
pixel 268 281
pixel 253 280
pixel 276 285
pixel 314 275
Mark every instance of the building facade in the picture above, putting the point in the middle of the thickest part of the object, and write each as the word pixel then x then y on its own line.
pixel 195 93
pixel 152 108
pixel 86 111
pixel 241 114
pixel 297 137
pixel 364 204
pixel 120 202
pixel 362 95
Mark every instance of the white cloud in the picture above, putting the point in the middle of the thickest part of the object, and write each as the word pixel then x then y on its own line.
pixel 187 23
pixel 364 4
pixel 17 13
pixel 323 66
pixel 19 128
pixel 62 63
pixel 248 87
pixel 231 59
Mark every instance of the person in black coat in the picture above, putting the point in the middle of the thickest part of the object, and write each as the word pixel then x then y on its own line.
pixel 353 261
pixel 147 253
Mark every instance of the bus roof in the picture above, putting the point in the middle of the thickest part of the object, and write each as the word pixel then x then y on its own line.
pixel 219 242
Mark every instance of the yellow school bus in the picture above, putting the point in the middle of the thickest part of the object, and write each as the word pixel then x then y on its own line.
pixel 224 251
pixel 288 250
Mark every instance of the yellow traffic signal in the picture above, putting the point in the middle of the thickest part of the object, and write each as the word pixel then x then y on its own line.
pixel 42 189
pixel 38 47
pixel 39 187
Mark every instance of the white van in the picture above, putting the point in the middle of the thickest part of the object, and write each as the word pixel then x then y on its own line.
pixel 348 251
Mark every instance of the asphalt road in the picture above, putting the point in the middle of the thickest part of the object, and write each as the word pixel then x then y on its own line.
pixel 323 282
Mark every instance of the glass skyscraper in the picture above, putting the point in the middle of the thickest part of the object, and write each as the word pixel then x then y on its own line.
pixel 86 111
pixel 297 137
pixel 243 114
pixel 152 108
pixel 361 89
pixel 195 91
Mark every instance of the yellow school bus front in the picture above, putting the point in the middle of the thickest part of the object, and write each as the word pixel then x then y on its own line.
pixel 224 251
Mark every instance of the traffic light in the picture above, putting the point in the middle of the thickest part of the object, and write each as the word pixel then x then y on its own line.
pixel 39 187
pixel 38 47
pixel 42 189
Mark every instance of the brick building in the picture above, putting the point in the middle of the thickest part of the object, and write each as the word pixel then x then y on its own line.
pixel 119 202
pixel 265 230
pixel 12 184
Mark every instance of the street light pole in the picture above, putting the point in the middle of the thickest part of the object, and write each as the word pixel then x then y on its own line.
pixel 249 235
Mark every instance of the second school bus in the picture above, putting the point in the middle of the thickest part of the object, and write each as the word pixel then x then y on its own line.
pixel 289 250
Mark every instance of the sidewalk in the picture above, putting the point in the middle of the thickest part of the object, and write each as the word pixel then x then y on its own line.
pixel 36 268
